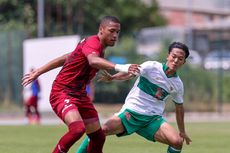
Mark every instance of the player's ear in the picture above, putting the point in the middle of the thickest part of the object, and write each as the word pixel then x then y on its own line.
pixel 101 30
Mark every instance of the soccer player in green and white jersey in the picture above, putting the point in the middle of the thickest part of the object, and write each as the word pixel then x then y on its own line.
pixel 145 103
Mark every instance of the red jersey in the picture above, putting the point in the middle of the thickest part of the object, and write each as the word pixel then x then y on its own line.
pixel 76 72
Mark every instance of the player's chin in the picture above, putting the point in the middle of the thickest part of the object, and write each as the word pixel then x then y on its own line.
pixel 174 68
pixel 111 43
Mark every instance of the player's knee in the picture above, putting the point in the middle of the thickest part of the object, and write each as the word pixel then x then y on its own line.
pixel 76 128
pixel 105 129
pixel 109 131
pixel 177 142
pixel 113 126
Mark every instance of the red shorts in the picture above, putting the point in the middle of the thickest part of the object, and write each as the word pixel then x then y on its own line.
pixel 63 103
pixel 32 101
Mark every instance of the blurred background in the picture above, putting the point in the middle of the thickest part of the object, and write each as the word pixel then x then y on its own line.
pixel 32 32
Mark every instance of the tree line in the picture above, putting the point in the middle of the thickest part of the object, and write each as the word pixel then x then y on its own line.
pixel 65 17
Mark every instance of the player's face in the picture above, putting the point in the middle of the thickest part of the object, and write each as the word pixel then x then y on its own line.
pixel 109 33
pixel 175 59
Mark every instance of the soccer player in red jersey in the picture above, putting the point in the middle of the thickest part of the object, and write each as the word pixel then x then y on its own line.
pixel 68 96
pixel 31 104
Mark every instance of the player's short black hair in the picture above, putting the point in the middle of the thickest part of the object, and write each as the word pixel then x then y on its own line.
pixel 180 46
pixel 109 18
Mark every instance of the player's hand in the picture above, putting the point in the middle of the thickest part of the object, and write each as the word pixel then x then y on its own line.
pixel 28 78
pixel 105 76
pixel 134 69
pixel 186 138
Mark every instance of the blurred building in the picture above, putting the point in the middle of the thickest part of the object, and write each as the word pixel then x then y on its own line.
pixel 204 25
pixel 193 12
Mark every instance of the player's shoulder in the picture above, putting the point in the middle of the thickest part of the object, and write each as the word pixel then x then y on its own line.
pixel 93 42
pixel 94 39
pixel 151 64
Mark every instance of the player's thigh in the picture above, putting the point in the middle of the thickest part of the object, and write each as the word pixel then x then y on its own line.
pixel 90 117
pixel 167 134
pixel 149 130
pixel 113 126
pixel 71 116
pixel 74 115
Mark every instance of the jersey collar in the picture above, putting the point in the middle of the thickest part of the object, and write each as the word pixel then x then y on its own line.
pixel 165 68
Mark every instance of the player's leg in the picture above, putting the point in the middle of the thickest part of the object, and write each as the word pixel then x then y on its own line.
pixel 96 136
pixel 67 110
pixel 159 130
pixel 76 129
pixel 28 107
pixel 83 146
pixel 168 135
pixel 112 126
pixel 36 110
pixel 121 124
pixel 93 127
pixel 27 110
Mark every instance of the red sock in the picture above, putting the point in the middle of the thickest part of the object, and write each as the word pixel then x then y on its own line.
pixel 96 142
pixel 76 130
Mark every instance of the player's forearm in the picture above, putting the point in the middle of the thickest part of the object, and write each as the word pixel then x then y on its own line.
pixel 57 62
pixel 101 63
pixel 180 118
pixel 122 76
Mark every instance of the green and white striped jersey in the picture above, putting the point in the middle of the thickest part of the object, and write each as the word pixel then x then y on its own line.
pixel 152 88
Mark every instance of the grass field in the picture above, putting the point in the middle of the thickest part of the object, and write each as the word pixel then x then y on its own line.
pixel 207 138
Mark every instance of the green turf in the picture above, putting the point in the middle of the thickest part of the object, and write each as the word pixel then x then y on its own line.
pixel 207 138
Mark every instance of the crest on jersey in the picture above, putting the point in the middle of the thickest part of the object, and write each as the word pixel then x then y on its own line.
pixel 127 115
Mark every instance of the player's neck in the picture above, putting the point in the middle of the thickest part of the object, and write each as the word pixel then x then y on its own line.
pixel 101 40
pixel 169 72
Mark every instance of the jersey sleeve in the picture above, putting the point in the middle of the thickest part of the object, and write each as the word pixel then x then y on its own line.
pixel 146 66
pixel 92 46
pixel 178 97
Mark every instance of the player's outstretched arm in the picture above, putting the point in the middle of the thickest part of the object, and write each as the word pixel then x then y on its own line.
pixel 106 76
pixel 55 63
pixel 101 63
